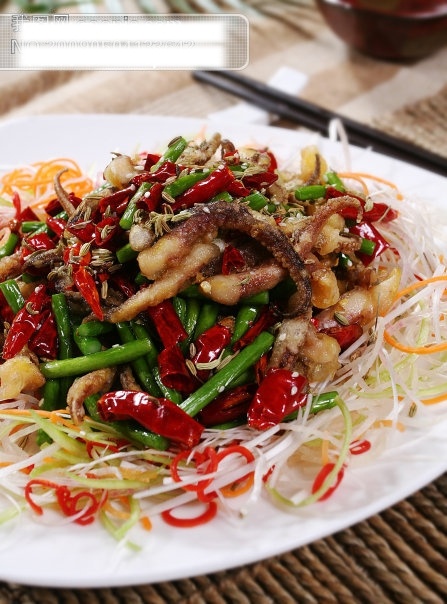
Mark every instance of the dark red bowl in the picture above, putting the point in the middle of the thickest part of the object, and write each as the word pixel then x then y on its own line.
pixel 389 29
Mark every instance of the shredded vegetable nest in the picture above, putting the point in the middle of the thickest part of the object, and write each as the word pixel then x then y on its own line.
pixel 203 329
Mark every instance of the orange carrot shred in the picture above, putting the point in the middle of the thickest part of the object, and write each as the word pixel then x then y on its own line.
pixel 430 348
pixel 357 178
pixel 435 399
pixel 324 452
pixel 389 423
pixel 418 284
pixel 239 487
pixel 37 180
pixel 361 176
pixel 146 523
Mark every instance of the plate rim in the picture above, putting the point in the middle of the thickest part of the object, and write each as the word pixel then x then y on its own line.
pixel 243 556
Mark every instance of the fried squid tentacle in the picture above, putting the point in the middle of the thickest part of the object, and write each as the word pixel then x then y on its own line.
pixel 62 195
pixel 96 382
pixel 19 374
pixel 229 289
pixel 199 154
pixel 204 224
pixel 10 267
pixel 362 304
pixel 304 238
pixel 289 341
pixel 168 251
pixel 168 285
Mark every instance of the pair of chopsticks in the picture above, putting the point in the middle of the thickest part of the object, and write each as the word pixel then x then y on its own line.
pixel 317 118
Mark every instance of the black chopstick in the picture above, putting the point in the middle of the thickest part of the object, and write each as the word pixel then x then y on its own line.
pixel 317 118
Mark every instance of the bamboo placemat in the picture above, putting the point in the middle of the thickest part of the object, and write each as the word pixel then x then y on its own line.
pixel 396 556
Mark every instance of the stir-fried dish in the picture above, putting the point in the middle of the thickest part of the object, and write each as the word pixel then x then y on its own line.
pixel 202 328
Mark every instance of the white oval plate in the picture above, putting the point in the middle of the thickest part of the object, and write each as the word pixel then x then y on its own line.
pixel 65 555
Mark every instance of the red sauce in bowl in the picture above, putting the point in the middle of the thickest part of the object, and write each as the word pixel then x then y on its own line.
pixel 389 29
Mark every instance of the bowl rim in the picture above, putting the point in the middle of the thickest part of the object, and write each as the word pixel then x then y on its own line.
pixel 420 15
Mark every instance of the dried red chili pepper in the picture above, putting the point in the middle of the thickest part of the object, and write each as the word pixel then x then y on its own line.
pixel 71 255
pixel 237 188
pixel 158 415
pixel 57 225
pixel 27 322
pixel 281 393
pixel 232 260
pixel 83 230
pixel 44 341
pixel 368 231
pixel 344 334
pixel 106 229
pixel 6 313
pixel 209 346
pixel 123 284
pixel 174 372
pixel 232 157
pixel 153 198
pixel 350 212
pixel 273 161
pixel 260 180
pixel 117 201
pixel 167 323
pixel 161 175
pixel 266 319
pixel 22 214
pixel 40 241
pixel 28 214
pixel 261 368
pixel 86 286
pixel 204 190
pixel 34 243
pixel 228 406
pixel 151 160
pixel 379 211
pixel 165 171
pixel 17 203
pixel 54 207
